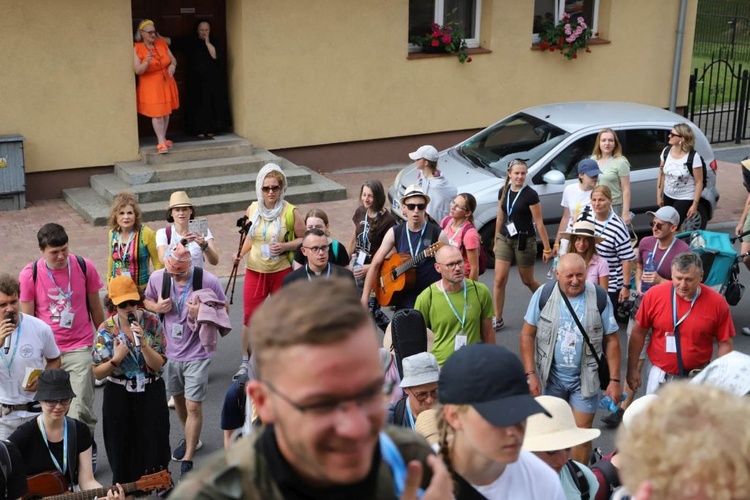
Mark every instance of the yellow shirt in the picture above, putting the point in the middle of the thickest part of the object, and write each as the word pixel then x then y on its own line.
pixel 264 234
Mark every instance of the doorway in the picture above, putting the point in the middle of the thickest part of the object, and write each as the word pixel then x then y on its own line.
pixel 177 19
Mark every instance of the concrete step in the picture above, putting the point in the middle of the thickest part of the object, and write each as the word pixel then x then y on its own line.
pixel 109 185
pixel 220 147
pixel 95 208
pixel 136 172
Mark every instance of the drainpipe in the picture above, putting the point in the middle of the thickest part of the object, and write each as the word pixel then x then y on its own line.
pixel 678 56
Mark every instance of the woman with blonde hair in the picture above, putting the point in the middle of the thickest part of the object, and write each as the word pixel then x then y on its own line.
pixel 132 245
pixel 615 170
pixel 681 173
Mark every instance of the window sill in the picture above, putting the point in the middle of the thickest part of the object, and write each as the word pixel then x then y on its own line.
pixel 423 55
pixel 593 41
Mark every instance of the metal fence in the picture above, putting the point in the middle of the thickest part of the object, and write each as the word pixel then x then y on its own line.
pixel 723 25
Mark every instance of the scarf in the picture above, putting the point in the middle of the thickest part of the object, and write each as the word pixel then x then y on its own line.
pixel 267 214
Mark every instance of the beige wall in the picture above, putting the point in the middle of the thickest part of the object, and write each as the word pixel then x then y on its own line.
pixel 324 72
pixel 67 82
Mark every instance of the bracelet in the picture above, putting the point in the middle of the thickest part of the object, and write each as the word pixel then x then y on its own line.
pixel 114 363
pixel 614 380
pixel 555 245
pixel 547 251
pixel 204 246
pixel 531 372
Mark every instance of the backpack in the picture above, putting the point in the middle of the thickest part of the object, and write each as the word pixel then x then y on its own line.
pixel 601 296
pixel 166 285
pixel 398 411
pixel 690 159
pixel 482 252
pixel 606 474
pixel 579 478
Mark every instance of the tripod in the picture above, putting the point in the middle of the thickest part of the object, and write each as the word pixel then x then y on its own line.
pixel 244 224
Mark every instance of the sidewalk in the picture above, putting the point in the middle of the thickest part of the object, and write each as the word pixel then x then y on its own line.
pixel 18 245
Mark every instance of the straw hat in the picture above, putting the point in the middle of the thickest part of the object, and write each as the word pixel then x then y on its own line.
pixel 746 163
pixel 412 191
pixel 583 228
pixel 556 433
pixel 179 199
pixel 426 425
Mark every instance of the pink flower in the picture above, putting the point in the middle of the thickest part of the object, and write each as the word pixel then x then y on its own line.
pixel 435 26
pixel 446 39
pixel 435 43
pixel 580 20
pixel 584 25
pixel 437 34
pixel 566 16
pixel 568 30
pixel 579 30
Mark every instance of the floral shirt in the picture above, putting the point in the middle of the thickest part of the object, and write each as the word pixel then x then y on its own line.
pixel 134 363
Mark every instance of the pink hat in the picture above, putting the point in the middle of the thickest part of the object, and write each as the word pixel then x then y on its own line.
pixel 177 260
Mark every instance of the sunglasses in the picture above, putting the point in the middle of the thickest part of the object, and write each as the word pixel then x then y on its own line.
pixel 672 134
pixel 127 303
pixel 416 206
pixel 657 225
pixel 268 189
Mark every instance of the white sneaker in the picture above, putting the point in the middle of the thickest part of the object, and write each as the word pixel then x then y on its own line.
pixel 170 403
pixel 746 330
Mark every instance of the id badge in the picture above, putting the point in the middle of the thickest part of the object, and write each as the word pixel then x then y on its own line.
pixel 460 341
pixel 66 319
pixel 265 251
pixel 511 227
pixel 140 382
pixel 125 273
pixel 177 331
pixel 671 342
pixel 361 257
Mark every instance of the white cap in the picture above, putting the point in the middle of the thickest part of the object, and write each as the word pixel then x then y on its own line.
pixel 429 153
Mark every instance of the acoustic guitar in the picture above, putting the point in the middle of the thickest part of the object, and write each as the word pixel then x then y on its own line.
pixel 398 274
pixel 54 485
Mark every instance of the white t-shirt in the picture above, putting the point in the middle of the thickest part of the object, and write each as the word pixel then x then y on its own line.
pixel 28 348
pixel 528 478
pixel 441 193
pixel 196 254
pixel 679 184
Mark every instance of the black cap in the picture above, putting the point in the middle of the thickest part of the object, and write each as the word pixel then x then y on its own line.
pixel 490 379
pixel 54 385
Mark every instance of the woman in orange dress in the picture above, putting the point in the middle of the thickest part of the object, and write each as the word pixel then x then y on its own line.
pixel 157 90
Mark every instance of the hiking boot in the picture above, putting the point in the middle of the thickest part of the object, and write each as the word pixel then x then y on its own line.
pixel 613 419
pixel 186 467
pixel 179 453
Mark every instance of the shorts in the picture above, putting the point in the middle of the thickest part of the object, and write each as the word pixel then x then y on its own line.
pixel 571 392
pixel 506 249
pixel 746 228
pixel 188 378
pixel 642 355
pixel 233 410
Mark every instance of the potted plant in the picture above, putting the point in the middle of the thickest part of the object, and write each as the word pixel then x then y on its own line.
pixel 448 38
pixel 568 36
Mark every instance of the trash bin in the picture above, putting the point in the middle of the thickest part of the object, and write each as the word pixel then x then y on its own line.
pixel 12 173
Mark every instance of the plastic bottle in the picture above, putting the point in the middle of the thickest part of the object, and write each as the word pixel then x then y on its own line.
pixel 551 272
pixel 606 403
pixel 274 240
pixel 354 265
pixel 648 267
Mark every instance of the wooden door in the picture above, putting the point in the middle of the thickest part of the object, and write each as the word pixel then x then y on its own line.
pixel 178 18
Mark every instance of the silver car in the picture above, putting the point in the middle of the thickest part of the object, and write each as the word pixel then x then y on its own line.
pixel 554 138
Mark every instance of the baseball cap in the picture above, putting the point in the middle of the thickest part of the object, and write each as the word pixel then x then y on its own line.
pixel 490 379
pixel 667 214
pixel 419 369
pixel 589 167
pixel 556 433
pixel 122 288
pixel 414 190
pixel 427 152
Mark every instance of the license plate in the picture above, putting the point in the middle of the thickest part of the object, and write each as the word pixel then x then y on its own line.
pixel 396 206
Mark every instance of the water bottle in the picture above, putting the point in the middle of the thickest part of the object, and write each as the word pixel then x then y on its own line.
pixel 551 272
pixel 648 267
pixel 354 265
pixel 274 240
pixel 606 403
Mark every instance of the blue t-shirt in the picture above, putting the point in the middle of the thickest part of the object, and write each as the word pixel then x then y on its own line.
pixel 566 363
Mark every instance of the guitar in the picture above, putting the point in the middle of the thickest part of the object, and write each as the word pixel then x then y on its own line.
pixel 397 274
pixel 54 485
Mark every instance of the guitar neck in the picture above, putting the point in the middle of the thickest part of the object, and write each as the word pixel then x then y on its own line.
pixel 90 494
pixel 411 263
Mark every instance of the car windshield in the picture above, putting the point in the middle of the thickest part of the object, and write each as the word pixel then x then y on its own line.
pixel 518 136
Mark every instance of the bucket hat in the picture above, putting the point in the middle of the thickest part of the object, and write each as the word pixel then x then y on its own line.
pixel 54 385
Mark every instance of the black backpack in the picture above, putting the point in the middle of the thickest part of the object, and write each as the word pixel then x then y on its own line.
pixel 166 285
pixel 601 296
pixel 690 160
pixel 579 479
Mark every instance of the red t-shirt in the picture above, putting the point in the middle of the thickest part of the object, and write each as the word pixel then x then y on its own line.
pixel 710 319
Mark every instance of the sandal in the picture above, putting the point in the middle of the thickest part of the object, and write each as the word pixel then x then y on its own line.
pixel 162 149
pixel 169 143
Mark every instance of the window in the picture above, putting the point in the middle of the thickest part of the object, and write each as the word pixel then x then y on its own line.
pixel 548 12
pixel 567 160
pixel 422 13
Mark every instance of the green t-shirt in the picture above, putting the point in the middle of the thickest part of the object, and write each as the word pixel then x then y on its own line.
pixel 616 167
pixel 440 318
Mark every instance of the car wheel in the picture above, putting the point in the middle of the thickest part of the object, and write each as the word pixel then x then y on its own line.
pixel 700 221
pixel 487 234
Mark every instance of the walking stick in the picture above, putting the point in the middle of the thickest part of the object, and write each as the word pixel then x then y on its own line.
pixel 244 224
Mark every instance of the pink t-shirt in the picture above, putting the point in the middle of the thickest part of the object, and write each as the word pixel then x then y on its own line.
pixel 463 239
pixel 53 304
pixel 598 267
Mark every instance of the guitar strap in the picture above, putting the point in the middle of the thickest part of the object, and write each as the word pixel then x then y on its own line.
pixel 72 451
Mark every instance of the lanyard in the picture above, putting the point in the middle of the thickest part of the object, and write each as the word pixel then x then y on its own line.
pixel 409 414
pixel 328 271
pixel 184 294
pixel 419 244
pixel 611 214
pixel 124 338
pixel 461 319
pixel 267 223
pixel 508 206
pixel 123 250
pixel 52 278
pixel 656 246
pixel 458 230
pixel 64 468
pixel 674 307
pixel 392 457
pixel 15 346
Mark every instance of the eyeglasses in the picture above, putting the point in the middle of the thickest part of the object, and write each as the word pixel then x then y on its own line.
pixel 458 207
pixel 127 303
pixel 268 189
pixel 322 248
pixel 674 134
pixel 453 265
pixel 51 403
pixel 370 400
pixel 416 206
pixel 422 396
pixel 657 225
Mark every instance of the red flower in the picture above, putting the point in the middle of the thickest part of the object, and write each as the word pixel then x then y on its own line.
pixel 566 16
pixel 588 50
pixel 575 56
pixel 437 34
pixel 468 60
pixel 596 34
pixel 543 46
pixel 553 48
pixel 435 26
pixel 560 41
pixel 435 43
pixel 446 39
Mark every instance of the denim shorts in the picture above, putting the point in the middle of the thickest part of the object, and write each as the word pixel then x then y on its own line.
pixel 571 392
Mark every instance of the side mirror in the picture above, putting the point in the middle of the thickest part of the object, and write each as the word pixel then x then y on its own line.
pixel 554 177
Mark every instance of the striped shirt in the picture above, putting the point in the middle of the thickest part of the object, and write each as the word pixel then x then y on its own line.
pixel 615 248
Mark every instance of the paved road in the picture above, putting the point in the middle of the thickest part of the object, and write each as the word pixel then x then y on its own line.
pixel 226 360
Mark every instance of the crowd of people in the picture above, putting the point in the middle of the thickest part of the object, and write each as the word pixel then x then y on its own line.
pixel 496 425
